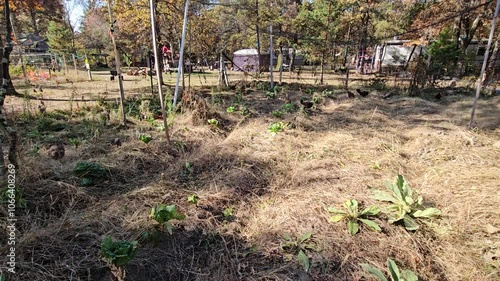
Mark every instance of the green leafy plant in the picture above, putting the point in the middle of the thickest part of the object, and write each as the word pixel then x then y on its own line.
pixel 328 93
pixel 289 107
pixel 310 91
pixel 228 212
pixel 299 246
pixel 395 273
pixel 90 172
pixel 271 95
pixel 75 142
pixel 276 127
pixel 145 138
pixel 277 113
pixel 316 99
pixel 213 122
pixel 193 198
pixel 127 60
pixel 376 165
pixel 187 171
pixel 17 193
pixel 163 214
pixel 35 134
pixel 118 254
pixel 353 216
pixel 49 125
pixel 405 205
pixel 231 109
pixel 35 149
pixel 244 111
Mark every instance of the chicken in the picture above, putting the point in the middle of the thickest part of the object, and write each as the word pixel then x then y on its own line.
pixel 42 107
pixel 56 151
pixel 438 96
pixel 306 104
pixel 350 95
pixel 362 93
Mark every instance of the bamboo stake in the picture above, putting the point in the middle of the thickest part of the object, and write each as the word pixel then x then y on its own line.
pixel 158 70
pixel 117 62
pixel 181 56
pixel 485 63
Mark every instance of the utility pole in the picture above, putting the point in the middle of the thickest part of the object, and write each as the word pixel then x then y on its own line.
pixel 485 63
pixel 117 62
pixel 158 70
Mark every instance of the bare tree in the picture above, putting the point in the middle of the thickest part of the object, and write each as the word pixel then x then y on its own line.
pixel 5 128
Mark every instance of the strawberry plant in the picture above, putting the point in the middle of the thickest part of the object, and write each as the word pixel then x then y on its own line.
pixel 404 205
pixel 354 216
pixel 395 273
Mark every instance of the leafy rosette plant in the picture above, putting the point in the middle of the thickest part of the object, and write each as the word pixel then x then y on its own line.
pixel 354 216
pixel 404 205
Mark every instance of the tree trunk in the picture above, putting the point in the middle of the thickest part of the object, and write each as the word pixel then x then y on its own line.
pixel 492 64
pixel 7 83
pixel 258 32
pixel 281 63
pixel 322 68
pixel 33 21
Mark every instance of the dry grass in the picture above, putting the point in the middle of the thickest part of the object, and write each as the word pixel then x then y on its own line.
pixel 276 184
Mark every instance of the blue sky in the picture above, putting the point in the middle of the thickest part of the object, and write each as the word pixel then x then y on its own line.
pixel 76 14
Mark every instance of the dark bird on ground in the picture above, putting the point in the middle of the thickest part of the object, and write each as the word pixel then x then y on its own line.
pixel 438 96
pixel 34 90
pixel 350 95
pixel 42 107
pixel 56 151
pixel 306 104
pixel 40 89
pixel 362 93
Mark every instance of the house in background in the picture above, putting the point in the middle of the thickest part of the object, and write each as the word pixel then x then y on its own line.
pixel 33 43
pixel 249 60
pixel 395 54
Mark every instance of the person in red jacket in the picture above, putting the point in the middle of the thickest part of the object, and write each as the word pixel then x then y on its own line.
pixel 166 52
